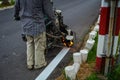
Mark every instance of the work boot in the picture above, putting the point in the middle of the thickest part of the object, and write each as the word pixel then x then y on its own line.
pixel 38 67
pixel 30 67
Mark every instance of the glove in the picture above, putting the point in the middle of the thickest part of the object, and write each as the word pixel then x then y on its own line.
pixel 17 18
pixel 24 37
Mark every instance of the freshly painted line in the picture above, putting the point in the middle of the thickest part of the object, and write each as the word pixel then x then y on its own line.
pixel 48 70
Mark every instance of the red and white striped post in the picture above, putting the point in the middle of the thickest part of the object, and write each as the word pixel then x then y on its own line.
pixel 117 29
pixel 103 32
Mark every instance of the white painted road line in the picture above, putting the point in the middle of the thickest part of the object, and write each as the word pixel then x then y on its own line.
pixel 48 70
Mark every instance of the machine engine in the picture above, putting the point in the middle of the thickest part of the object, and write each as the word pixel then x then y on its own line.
pixel 58 35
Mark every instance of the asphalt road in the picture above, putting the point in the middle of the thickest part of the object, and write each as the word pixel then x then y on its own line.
pixel 78 14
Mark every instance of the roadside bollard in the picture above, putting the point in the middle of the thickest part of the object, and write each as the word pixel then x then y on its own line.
pixel 77 57
pixel 84 55
pixel 76 67
pixel 89 44
pixel 92 35
pixel 96 28
pixel 70 73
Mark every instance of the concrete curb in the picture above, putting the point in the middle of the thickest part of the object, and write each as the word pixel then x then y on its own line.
pixel 8 7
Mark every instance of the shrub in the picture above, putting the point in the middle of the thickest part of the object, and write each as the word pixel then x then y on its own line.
pixel 115 74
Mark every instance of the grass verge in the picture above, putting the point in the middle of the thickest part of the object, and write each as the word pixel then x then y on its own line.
pixel 92 53
pixel 11 3
pixel 93 76
pixel 114 75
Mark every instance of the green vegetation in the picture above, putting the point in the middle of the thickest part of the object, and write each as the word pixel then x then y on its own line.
pixel 92 58
pixel 12 2
pixel 115 74
pixel 93 76
pixel 92 53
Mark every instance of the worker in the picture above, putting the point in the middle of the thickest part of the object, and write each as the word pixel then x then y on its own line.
pixel 31 14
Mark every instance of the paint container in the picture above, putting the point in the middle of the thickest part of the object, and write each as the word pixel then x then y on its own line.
pixel 89 44
pixel 92 35
pixel 77 57
pixel 96 28
pixel 84 55
pixel 76 67
pixel 70 73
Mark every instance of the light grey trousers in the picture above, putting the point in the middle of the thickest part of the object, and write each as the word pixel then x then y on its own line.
pixel 36 49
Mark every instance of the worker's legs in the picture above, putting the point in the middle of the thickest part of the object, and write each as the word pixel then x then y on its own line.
pixel 30 51
pixel 40 45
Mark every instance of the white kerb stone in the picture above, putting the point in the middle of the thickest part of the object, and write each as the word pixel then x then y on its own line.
pixel 84 54
pixel 76 67
pixel 70 73
pixel 77 57
pixel 96 28
pixel 92 34
pixel 89 44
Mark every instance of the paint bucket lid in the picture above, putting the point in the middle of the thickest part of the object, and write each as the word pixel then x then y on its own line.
pixel 58 11
pixel 68 37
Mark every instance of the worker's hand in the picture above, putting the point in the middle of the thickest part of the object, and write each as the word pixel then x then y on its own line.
pixel 24 37
pixel 17 18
